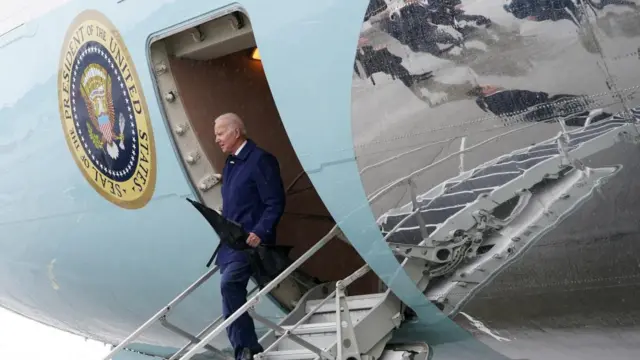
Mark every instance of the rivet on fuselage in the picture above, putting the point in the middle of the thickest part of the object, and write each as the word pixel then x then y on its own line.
pixel 181 129
pixel 193 157
pixel 197 35
pixel 170 96
pixel 161 68
pixel 236 21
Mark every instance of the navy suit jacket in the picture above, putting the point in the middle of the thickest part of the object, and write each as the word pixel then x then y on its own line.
pixel 252 195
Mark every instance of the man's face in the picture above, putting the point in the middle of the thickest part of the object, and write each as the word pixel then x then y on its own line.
pixel 226 136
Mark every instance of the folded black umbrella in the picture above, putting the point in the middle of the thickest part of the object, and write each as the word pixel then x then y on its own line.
pixel 231 233
pixel 267 261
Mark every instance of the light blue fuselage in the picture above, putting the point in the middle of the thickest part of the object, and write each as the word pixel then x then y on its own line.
pixel 72 260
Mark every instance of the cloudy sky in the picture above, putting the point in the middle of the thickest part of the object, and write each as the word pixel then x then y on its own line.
pixel 21 338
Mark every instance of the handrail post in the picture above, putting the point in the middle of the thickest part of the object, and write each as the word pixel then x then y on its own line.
pixel 416 207
pixel 339 292
pixel 344 327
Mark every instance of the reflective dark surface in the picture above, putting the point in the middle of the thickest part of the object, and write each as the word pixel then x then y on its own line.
pixel 434 77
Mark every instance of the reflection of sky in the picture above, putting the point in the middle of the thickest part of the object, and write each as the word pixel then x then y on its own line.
pixel 21 338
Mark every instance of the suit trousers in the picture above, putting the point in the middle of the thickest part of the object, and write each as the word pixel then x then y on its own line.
pixel 233 286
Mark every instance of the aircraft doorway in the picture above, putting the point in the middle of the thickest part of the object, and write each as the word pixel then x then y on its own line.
pixel 215 68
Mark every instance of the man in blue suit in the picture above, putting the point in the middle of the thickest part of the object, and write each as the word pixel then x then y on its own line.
pixel 252 196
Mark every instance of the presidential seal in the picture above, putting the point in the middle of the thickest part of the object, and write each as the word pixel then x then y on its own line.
pixel 104 115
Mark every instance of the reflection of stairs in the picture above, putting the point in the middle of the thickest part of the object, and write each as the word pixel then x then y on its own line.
pixel 479 222
pixel 456 195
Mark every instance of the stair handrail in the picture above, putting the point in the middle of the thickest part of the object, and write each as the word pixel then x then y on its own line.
pixel 162 312
pixel 282 276
pixel 251 302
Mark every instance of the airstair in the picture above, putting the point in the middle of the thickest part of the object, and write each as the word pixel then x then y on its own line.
pixel 325 324
pixel 335 326
pixel 440 235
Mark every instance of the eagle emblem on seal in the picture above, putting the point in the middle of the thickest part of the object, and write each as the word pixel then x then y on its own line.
pixel 95 87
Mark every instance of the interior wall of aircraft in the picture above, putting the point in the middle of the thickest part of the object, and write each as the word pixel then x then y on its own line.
pixel 472 96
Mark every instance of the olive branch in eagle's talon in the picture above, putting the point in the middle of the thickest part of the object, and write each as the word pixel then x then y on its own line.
pixel 96 139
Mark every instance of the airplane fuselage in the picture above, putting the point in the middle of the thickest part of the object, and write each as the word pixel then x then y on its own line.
pixel 97 234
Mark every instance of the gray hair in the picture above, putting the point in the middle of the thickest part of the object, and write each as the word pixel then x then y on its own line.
pixel 233 120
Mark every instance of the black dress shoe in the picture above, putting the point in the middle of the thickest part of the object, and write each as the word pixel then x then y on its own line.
pixel 247 354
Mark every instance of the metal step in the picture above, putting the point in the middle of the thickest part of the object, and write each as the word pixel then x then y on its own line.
pixel 330 317
pixel 321 340
pixel 358 305
pixel 306 329
pixel 289 355
pixel 322 322
pixel 311 328
pixel 358 302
